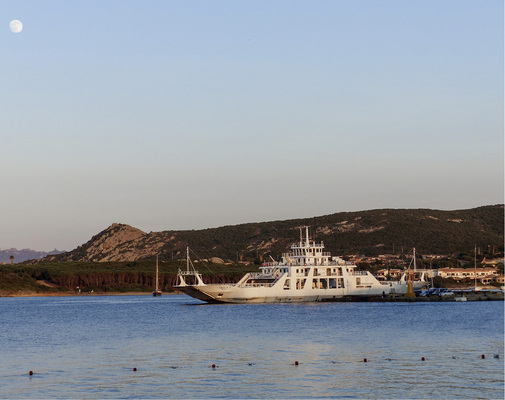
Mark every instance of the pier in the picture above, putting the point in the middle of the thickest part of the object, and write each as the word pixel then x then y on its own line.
pixel 459 295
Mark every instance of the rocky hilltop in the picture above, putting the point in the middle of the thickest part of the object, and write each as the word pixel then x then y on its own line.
pixel 366 232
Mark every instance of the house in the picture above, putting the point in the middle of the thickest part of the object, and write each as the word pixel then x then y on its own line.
pixel 394 273
pixel 482 274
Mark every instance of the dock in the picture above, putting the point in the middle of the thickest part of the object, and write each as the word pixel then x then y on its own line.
pixel 459 295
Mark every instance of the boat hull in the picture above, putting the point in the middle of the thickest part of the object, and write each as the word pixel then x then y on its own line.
pixel 215 293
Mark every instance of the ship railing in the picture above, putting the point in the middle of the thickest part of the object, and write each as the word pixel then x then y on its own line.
pixel 359 273
pixel 259 275
pixel 270 264
pixel 187 273
pixel 257 284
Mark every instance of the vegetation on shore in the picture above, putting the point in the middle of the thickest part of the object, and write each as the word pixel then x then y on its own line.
pixel 105 277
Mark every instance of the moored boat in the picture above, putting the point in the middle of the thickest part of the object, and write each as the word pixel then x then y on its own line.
pixel 305 274
pixel 157 292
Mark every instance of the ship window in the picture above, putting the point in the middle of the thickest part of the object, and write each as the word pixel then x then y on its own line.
pixel 333 283
pixel 323 284
pixel 287 284
pixel 303 283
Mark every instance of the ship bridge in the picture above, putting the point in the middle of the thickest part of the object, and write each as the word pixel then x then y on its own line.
pixel 306 252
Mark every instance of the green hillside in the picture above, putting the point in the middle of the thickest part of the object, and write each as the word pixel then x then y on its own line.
pixel 366 232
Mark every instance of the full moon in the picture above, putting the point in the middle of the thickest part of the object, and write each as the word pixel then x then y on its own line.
pixel 16 26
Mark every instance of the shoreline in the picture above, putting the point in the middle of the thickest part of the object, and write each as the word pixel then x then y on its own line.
pixel 73 294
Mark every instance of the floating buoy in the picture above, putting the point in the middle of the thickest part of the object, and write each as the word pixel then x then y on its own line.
pixel 496 356
pixel 30 373
pixel 365 360
pixel 296 362
pixel 213 365
pixel 483 356
pixel 422 358
pixel 134 369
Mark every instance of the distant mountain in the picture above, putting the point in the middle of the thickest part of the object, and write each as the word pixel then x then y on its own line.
pixel 24 255
pixel 369 233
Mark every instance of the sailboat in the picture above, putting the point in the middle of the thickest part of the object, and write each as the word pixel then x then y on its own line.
pixel 475 287
pixel 157 291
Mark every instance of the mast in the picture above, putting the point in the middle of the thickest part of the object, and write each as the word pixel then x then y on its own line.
pixel 475 267
pixel 156 272
pixel 187 258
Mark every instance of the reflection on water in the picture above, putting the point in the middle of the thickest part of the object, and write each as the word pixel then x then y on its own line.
pixel 87 347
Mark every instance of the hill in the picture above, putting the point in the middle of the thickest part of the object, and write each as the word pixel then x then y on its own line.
pixel 369 233
pixel 24 255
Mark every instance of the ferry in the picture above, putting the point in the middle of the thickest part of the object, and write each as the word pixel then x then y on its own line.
pixel 306 274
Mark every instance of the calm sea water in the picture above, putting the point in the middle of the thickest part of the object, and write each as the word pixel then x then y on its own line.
pixel 87 347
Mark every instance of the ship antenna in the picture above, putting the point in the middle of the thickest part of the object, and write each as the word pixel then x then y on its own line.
pixel 187 258
pixel 307 233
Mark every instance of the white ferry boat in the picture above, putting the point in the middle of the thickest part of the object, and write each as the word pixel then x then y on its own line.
pixel 305 274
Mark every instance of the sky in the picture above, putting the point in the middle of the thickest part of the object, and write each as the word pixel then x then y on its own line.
pixel 175 115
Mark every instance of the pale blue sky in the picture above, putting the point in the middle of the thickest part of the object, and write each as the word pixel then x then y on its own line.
pixel 196 114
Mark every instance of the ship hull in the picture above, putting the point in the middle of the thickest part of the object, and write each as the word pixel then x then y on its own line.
pixel 215 293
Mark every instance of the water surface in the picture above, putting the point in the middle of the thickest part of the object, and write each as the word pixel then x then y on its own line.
pixel 87 347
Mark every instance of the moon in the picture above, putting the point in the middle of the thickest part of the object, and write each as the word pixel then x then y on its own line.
pixel 16 26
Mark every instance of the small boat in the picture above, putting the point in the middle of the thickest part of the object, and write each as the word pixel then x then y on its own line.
pixel 157 292
pixel 305 274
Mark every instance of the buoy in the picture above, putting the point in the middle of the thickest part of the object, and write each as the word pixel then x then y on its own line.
pixel 213 365
pixel 296 362
pixel 422 358
pixel 483 356
pixel 365 360
pixel 30 373
pixel 134 369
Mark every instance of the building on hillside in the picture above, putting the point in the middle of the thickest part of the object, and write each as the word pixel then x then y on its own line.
pixel 394 273
pixel 483 274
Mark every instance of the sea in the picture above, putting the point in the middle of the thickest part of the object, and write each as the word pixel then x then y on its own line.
pixel 175 347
